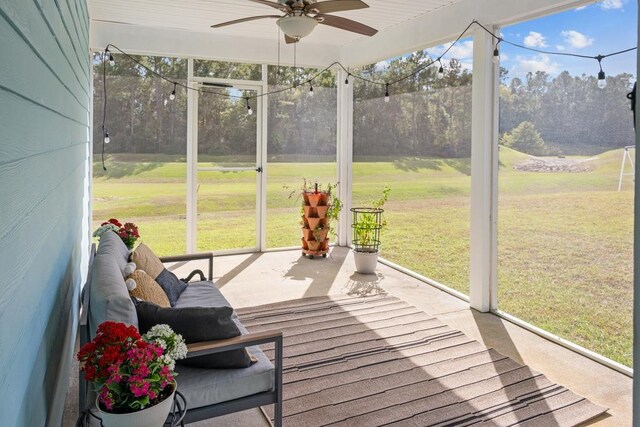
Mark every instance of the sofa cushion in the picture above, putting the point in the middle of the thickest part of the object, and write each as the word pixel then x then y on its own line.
pixel 148 289
pixel 112 244
pixel 197 324
pixel 202 294
pixel 171 285
pixel 109 298
pixel 203 387
pixel 146 260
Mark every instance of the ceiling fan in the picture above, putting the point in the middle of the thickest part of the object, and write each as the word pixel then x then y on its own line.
pixel 302 16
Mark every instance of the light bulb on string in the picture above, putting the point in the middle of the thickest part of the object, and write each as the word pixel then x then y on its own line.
pixel 106 137
pixel 602 78
pixel 310 89
pixel 440 71
pixel 496 53
pixel 387 98
pixel 109 56
pixel 249 110
pixel 173 93
pixel 346 81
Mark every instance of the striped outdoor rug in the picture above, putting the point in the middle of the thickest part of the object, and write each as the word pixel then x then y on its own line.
pixel 379 361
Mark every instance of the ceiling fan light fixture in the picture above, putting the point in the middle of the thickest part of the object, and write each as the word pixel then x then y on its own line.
pixel 297 26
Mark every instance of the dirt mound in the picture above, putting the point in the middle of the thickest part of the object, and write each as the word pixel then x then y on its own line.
pixel 555 164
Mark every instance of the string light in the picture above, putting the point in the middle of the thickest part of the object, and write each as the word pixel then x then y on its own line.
pixel 496 52
pixel 106 137
pixel 496 58
pixel 602 78
pixel 440 74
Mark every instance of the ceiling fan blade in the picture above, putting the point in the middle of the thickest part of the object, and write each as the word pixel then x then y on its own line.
pixel 347 24
pixel 290 40
pixel 251 18
pixel 282 7
pixel 337 5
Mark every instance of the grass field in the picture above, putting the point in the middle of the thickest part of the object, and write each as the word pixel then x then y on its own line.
pixel 565 239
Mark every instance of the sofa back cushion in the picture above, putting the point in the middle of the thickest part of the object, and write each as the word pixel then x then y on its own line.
pixel 112 244
pixel 109 297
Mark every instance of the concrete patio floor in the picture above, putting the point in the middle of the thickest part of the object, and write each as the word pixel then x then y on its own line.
pixel 261 278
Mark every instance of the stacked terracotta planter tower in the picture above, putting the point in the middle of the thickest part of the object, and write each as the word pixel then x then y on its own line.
pixel 315 227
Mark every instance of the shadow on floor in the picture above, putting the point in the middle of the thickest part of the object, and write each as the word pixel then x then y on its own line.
pixel 322 276
pixel 495 335
pixel 237 270
pixel 364 285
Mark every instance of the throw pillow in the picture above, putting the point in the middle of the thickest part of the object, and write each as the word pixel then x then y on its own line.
pixel 148 289
pixel 146 260
pixel 197 324
pixel 171 285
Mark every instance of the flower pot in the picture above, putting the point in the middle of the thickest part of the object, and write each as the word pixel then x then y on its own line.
pixel 305 246
pixel 313 245
pixel 153 416
pixel 322 211
pixel 366 262
pixel 305 197
pixel 308 211
pixel 317 199
pixel 324 246
pixel 314 222
pixel 320 235
pixel 307 233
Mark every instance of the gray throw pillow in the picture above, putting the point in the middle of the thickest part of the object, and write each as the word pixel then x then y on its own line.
pixel 197 324
pixel 171 285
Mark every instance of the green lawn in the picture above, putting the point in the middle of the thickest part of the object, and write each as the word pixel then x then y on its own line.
pixel 565 239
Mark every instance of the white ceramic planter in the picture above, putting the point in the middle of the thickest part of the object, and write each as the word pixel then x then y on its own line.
pixel 366 262
pixel 153 416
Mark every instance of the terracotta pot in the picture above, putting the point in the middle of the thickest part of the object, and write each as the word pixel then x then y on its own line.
pixel 322 211
pixel 305 246
pixel 152 416
pixel 315 222
pixel 320 235
pixel 307 233
pixel 318 199
pixel 324 246
pixel 305 197
pixel 313 245
pixel 305 222
pixel 309 211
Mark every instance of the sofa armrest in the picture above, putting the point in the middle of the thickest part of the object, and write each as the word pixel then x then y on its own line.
pixel 192 257
pixel 241 341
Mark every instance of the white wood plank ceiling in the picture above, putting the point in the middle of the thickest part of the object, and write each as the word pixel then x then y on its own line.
pixel 199 15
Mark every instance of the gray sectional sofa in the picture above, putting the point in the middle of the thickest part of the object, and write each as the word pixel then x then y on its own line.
pixel 208 392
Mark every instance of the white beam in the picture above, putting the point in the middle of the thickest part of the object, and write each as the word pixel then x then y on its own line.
pixel 192 162
pixel 483 174
pixel 636 270
pixel 444 25
pixel 345 154
pixel 139 40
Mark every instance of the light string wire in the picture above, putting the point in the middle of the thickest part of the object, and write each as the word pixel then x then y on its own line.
pixel 107 57
pixel 361 77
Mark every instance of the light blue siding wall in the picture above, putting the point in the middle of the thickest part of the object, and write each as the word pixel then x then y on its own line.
pixel 44 131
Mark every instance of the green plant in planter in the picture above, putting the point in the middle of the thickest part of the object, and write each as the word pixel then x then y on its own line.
pixel 368 223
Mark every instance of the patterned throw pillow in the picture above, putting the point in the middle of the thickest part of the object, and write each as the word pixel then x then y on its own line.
pixel 148 289
pixel 146 260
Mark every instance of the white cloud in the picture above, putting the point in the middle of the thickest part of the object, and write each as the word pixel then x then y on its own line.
pixel 611 4
pixel 559 47
pixel 576 39
pixel 460 51
pixel 535 39
pixel 382 65
pixel 504 57
pixel 581 8
pixel 531 64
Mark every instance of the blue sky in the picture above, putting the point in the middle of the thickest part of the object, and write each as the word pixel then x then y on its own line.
pixel 603 27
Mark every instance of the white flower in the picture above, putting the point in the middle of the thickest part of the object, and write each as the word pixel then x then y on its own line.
pixel 173 344
pixel 104 228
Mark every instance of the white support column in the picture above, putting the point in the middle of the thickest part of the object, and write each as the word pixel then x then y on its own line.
pixel 345 154
pixel 262 159
pixel 192 160
pixel 484 158
pixel 636 270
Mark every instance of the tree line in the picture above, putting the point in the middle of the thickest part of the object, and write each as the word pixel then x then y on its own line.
pixel 425 116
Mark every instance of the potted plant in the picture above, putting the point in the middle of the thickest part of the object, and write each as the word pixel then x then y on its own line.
pixel 128 231
pixel 133 374
pixel 320 207
pixel 367 225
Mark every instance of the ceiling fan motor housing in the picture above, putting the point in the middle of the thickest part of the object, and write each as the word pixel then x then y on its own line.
pixel 297 26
